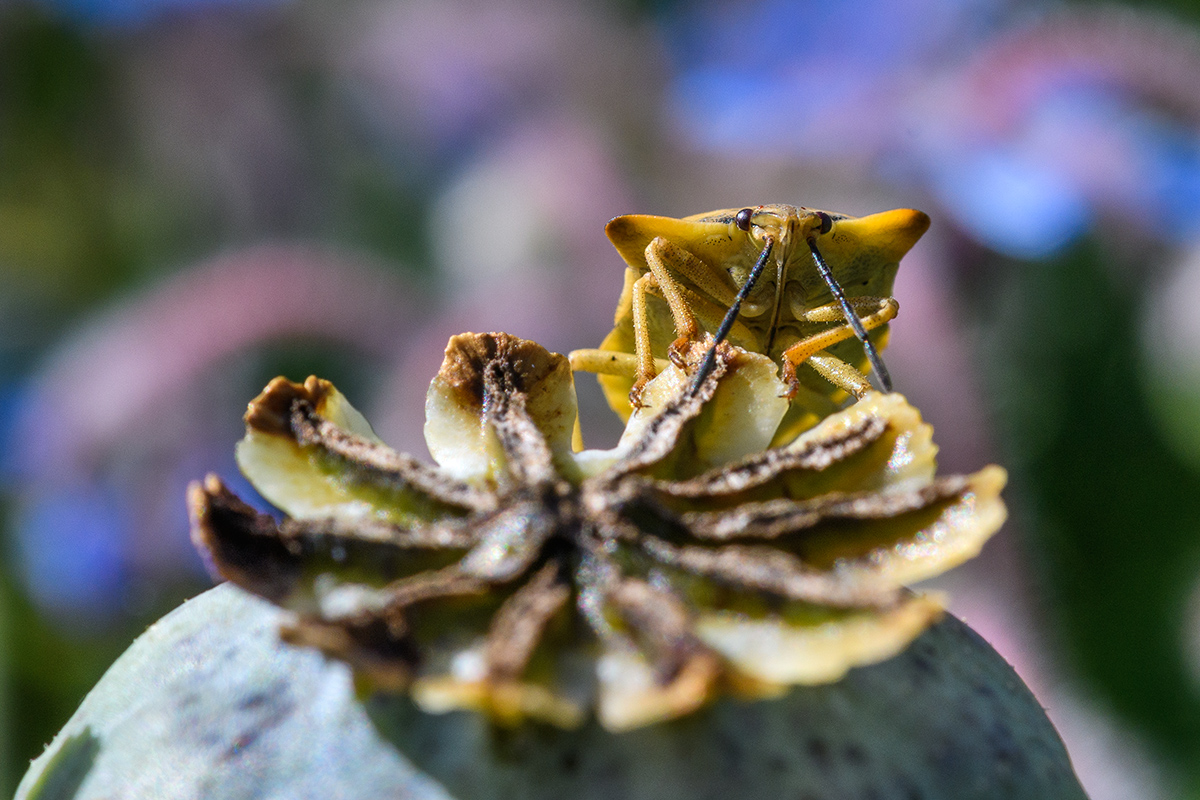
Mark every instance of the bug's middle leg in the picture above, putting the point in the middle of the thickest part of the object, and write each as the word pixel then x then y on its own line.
pixel 608 362
pixel 645 369
pixel 881 310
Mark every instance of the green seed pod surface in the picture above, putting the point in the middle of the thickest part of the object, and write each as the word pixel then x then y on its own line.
pixel 209 703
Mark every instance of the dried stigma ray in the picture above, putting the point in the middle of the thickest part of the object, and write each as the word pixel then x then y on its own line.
pixel 525 580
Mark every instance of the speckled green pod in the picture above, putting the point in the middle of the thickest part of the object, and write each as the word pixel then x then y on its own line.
pixel 210 704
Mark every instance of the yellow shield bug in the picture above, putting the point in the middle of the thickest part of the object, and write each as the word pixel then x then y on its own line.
pixel 810 285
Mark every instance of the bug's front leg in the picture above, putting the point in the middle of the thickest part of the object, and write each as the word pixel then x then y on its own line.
pixel 662 258
pixel 839 373
pixel 666 260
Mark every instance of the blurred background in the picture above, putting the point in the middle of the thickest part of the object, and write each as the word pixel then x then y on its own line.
pixel 197 195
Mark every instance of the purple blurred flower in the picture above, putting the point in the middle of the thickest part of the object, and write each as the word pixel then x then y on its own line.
pixel 139 401
pixel 437 80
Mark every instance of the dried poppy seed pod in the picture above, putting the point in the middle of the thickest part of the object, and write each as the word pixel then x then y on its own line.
pixel 524 580
pixel 640 600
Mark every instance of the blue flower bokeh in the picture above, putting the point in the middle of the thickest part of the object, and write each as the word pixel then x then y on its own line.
pixel 1026 171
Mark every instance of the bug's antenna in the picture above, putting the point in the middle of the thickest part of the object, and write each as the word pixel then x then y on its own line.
pixel 872 355
pixel 731 316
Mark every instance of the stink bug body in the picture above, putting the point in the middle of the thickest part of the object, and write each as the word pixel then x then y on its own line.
pixel 683 275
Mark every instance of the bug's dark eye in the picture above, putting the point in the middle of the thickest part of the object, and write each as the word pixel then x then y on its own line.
pixel 742 220
pixel 826 222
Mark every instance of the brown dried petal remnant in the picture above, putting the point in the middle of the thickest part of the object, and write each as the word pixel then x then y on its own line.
pixel 526 580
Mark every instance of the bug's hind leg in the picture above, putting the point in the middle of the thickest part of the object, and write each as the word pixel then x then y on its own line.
pixel 839 373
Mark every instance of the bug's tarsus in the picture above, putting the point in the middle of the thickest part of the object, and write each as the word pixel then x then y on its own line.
pixel 731 316
pixel 885 379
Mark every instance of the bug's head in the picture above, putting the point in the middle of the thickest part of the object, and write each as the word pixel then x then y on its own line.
pixel 787 226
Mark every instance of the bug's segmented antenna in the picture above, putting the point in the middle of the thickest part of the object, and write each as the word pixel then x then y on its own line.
pixel 731 316
pixel 877 366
